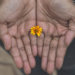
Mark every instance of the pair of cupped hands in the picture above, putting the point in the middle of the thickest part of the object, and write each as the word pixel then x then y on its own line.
pixel 55 17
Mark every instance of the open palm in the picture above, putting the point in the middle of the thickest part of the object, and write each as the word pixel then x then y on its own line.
pixel 16 19
pixel 57 19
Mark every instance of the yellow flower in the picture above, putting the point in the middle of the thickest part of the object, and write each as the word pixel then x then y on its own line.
pixel 36 30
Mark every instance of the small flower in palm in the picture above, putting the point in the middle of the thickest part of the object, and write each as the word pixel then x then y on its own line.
pixel 36 30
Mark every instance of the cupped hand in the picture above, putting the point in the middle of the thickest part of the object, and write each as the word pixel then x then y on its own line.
pixel 16 19
pixel 57 18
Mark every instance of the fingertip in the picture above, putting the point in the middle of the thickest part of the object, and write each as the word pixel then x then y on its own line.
pixel 50 68
pixel 44 64
pixel 59 63
pixel 27 68
pixel 32 62
pixel 43 67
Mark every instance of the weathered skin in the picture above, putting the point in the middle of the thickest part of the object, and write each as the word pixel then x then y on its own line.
pixel 57 18
pixel 16 19
pixel 62 11
pixel 11 11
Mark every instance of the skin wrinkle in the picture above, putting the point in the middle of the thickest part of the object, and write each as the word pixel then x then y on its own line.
pixel 6 8
pixel 52 19
pixel 23 16
pixel 47 11
pixel 52 12
pixel 26 13
pixel 54 23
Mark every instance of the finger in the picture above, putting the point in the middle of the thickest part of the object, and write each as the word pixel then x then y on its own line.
pixel 62 47
pixel 21 48
pixel 16 55
pixel 52 54
pixel 64 42
pixel 27 68
pixel 26 41
pixel 69 37
pixel 40 42
pixel 5 37
pixel 33 44
pixel 45 51
pixel 48 29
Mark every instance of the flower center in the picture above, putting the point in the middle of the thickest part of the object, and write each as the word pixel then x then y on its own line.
pixel 36 30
